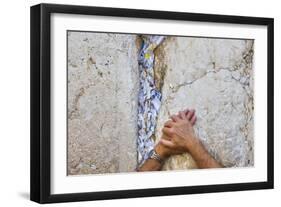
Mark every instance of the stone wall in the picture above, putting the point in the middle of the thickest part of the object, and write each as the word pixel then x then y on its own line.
pixel 102 102
pixel 214 76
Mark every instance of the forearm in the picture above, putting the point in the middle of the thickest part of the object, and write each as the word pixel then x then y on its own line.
pixel 202 158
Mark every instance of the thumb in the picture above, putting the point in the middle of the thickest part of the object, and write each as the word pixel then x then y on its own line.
pixel 167 143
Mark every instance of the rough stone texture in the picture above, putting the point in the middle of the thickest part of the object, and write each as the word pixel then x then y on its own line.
pixel 214 76
pixel 102 102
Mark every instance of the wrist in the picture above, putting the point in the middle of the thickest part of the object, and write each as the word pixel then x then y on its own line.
pixel 192 144
pixel 161 151
pixel 198 150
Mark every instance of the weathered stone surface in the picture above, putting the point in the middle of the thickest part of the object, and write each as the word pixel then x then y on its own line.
pixel 102 102
pixel 213 76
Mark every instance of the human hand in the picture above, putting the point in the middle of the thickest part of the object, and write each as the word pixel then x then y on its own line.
pixel 178 133
pixel 165 150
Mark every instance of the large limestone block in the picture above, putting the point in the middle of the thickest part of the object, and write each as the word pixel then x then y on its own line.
pixel 102 102
pixel 213 76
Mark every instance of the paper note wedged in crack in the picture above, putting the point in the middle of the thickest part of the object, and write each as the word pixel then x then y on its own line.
pixel 122 88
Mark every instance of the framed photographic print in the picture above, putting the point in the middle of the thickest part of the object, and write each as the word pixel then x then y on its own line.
pixel 132 103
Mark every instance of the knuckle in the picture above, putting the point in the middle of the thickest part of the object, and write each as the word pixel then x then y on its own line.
pixel 167 122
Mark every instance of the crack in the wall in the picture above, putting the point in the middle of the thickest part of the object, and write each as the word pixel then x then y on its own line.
pixel 246 60
pixel 164 68
pixel 102 116
pixel 241 73
pixel 149 99
pixel 249 104
pixel 160 66
pixel 243 85
pixel 75 112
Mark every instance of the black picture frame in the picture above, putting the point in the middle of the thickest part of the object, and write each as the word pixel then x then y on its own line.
pixel 40 184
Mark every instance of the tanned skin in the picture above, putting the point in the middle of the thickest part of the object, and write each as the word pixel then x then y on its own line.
pixel 179 137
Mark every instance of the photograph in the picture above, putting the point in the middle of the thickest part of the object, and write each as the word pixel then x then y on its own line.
pixel 150 102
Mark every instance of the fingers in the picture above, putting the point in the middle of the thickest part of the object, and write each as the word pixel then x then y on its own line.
pixel 182 115
pixel 164 136
pixel 186 111
pixel 167 143
pixel 168 124
pixel 167 131
pixel 190 114
pixel 175 118
pixel 193 120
